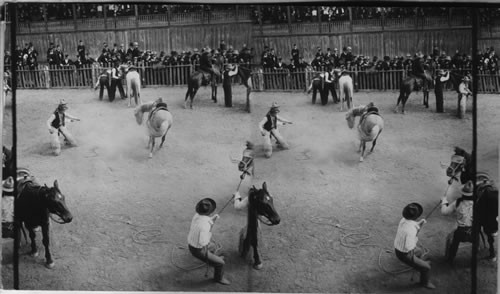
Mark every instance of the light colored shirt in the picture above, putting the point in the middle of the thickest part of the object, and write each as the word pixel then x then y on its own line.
pixel 406 237
pixel 463 212
pixel 445 78
pixel 464 89
pixel 239 203
pixel 199 234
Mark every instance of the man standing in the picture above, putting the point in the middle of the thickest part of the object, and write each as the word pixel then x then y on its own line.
pixel 441 79
pixel 199 238
pixel 57 125
pixel 269 127
pixel 463 208
pixel 116 81
pixel 419 71
pixel 463 94
pixel 229 71
pixel 81 50
pixel 405 243
pixel 295 54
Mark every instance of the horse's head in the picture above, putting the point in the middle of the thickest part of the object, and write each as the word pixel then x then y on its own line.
pixel 139 115
pixel 262 202
pixel 349 116
pixel 457 164
pixel 56 203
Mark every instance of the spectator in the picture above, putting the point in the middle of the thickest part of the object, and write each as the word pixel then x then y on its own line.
pixel 66 61
pixel 81 50
pixel 295 54
pixel 105 48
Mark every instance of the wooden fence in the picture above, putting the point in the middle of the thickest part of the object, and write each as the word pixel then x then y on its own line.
pixel 58 77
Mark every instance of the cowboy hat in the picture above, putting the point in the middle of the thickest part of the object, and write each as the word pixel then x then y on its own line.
pixel 412 211
pixel 275 107
pixel 467 189
pixel 482 176
pixel 62 104
pixel 8 185
pixel 206 206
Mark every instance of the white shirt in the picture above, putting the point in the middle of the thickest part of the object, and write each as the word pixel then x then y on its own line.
pixel 199 234
pixel 240 204
pixel 464 89
pixel 406 237
pixel 463 212
pixel 445 78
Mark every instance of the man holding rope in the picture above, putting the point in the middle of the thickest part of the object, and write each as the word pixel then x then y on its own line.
pixel 199 238
pixel 405 244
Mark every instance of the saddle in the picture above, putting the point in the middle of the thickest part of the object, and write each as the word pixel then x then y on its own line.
pixel 24 182
pixel 370 111
pixel 159 106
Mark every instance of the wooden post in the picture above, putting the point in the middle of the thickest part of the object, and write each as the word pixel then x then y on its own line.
pixel 350 19
pixel 319 19
pixel 45 18
pixel 74 17
pixel 169 16
pixel 259 13
pixel 104 7
pixel 288 14
pixel 236 10
pixel 136 13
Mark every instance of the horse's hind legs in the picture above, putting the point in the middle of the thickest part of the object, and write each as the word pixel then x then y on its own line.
pixel 34 249
pixel 362 151
pixel 49 263
pixel 152 141
pixel 491 241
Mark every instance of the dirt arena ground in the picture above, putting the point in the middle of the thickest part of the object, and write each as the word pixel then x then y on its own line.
pixel 339 216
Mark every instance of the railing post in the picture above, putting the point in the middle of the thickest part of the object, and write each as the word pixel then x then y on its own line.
pixel 46 72
pixel 75 23
pixel 350 18
pixel 136 13
pixel 318 15
pixel 236 10
pixel 289 19
pixel 104 8
pixel 45 18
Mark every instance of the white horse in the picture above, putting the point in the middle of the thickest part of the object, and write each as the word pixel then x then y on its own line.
pixel 370 126
pixel 158 123
pixel 346 90
pixel 133 80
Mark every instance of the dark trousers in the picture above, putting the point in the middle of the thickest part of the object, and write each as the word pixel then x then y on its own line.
pixel 412 259
pixel 461 234
pixel 114 84
pixel 228 95
pixel 213 260
pixel 439 98
pixel 330 88
pixel 103 83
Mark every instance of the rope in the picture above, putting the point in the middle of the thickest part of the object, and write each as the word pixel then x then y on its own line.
pixel 213 243
pixel 147 240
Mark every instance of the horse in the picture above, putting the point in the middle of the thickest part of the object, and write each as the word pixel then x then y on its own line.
pixel 260 208
pixel 409 84
pixel 370 126
pixel 196 80
pixel 245 75
pixel 133 80
pixel 346 90
pixel 34 205
pixel 158 123
pixel 486 194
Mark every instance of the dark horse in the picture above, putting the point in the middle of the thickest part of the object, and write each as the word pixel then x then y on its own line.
pixel 486 194
pixel 196 80
pixel 245 75
pixel 410 84
pixel 34 205
pixel 260 206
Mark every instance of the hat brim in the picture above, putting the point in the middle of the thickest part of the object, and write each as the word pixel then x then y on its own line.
pixel 213 205
pixel 8 189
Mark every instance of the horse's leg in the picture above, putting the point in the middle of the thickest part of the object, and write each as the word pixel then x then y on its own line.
pixel 249 104
pixel 257 263
pixel 188 95
pixel 214 90
pixel 152 141
pixel 49 263
pixel 34 249
pixel 363 143
pixel 405 98
pixel 491 241
pixel 162 140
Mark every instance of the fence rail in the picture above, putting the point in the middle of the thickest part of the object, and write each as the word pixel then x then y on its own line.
pixel 59 77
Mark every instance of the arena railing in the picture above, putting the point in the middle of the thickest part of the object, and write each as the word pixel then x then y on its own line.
pixel 263 79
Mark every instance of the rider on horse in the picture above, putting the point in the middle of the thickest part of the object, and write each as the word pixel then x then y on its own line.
pixel 206 65
pixel 418 70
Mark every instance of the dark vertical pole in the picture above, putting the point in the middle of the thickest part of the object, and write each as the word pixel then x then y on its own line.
pixel 318 15
pixel 104 10
pixel 350 18
pixel 136 14
pixel 260 20
pixel 13 68
pixel 75 23
pixel 45 18
pixel 475 224
pixel 288 16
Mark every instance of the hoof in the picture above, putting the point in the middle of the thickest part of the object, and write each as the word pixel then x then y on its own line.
pixel 150 155
pixel 34 254
pixel 257 266
pixel 361 159
pixel 50 265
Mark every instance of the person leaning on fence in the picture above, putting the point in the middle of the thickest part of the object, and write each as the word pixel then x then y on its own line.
pixel 441 79
pixel 200 235
pixel 405 243
pixel 463 208
pixel 269 128
pixel 57 125
pixel 116 81
pixel 463 93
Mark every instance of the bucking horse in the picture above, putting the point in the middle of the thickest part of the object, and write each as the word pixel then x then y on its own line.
pixel 486 193
pixel 133 80
pixel 158 123
pixel 370 126
pixel 35 204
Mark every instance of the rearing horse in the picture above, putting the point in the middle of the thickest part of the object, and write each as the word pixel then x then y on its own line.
pixel 245 75
pixel 410 84
pixel 159 121
pixel 370 126
pixel 195 81
pixel 260 208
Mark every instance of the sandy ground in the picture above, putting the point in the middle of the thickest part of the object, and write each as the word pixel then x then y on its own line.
pixel 339 216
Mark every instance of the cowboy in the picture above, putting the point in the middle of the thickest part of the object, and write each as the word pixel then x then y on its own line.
pixel 103 82
pixel 206 63
pixel 269 127
pixel 418 69
pixel 229 71
pixel 441 78
pixel 463 209
pixel 463 90
pixel 405 243
pixel 116 81
pixel 8 207
pixel 199 238
pixel 330 85
pixel 57 125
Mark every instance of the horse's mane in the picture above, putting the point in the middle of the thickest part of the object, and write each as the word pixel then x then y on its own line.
pixel 140 110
